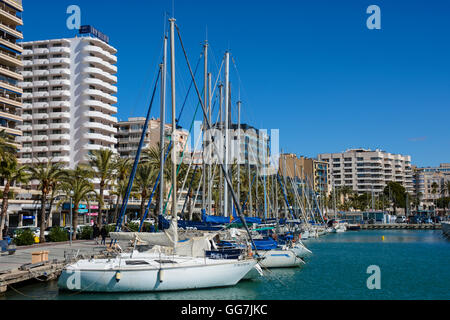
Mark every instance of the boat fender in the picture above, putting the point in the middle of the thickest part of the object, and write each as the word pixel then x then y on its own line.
pixel 161 275
pixel 118 276
pixel 250 252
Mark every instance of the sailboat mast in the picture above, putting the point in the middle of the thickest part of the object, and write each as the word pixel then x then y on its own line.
pixel 210 151
pixel 239 154
pixel 162 127
pixel 227 90
pixel 220 158
pixel 174 128
pixel 205 102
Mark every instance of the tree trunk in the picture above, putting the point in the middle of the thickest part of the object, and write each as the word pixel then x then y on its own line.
pixel 4 208
pixel 142 208
pixel 116 211
pixel 75 221
pixel 50 211
pixel 42 225
pixel 100 203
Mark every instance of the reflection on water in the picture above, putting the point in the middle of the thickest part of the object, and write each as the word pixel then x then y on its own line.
pixel 336 270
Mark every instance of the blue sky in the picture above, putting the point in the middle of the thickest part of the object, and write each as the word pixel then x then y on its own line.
pixel 309 68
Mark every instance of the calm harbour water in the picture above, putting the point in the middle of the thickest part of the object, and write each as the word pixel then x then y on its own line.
pixel 414 265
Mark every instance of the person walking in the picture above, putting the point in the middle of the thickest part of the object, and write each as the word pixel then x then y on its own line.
pixel 103 234
pixel 96 233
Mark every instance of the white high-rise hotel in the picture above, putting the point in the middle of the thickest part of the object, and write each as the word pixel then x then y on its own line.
pixel 68 99
pixel 366 170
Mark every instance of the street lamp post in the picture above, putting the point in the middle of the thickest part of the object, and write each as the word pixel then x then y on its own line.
pixel 71 223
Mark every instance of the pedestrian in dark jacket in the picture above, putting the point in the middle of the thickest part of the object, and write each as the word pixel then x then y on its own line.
pixel 96 233
pixel 103 233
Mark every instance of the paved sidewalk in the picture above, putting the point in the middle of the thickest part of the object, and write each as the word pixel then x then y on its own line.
pixel 55 251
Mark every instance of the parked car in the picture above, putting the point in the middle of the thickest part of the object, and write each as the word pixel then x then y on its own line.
pixel 413 220
pixel 436 219
pixel 36 231
pixel 400 219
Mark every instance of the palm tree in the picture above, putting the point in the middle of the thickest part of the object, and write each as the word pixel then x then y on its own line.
pixel 145 179
pixel 7 147
pixel 434 189
pixel 78 186
pixel 47 174
pixel 122 168
pixel 102 164
pixel 11 172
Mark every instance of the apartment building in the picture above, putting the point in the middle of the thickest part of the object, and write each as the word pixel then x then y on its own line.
pixel 306 171
pixel 129 135
pixel 430 184
pixel 365 170
pixel 68 99
pixel 10 64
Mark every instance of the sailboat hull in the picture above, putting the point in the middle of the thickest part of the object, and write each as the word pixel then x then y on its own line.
pixel 279 259
pixel 300 250
pixel 84 276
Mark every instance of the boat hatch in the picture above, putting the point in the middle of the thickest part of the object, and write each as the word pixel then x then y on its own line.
pixel 165 261
pixel 135 262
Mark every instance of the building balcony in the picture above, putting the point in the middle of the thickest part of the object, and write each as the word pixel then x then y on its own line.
pixel 40 116
pixel 60 71
pixel 10 18
pixel 25 84
pixel 100 63
pixel 96 103
pixel 65 104
pixel 104 85
pixel 26 117
pixel 101 137
pixel 60 93
pixel 40 73
pixel 99 51
pixel 41 51
pixel 40 138
pixel 40 83
pixel 61 159
pixel 40 127
pixel 100 74
pixel 59 61
pixel 40 105
pixel 60 82
pixel 27 74
pixel 61 148
pixel 95 125
pixel 60 136
pixel 40 149
pixel 23 139
pixel 25 127
pixel 11 45
pixel 11 72
pixel 100 94
pixel 11 58
pixel 26 150
pixel 60 50
pixel 41 94
pixel 59 115
pixel 65 126
pixel 40 62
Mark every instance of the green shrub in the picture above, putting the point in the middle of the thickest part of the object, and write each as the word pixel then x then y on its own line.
pixel 133 227
pixel 24 238
pixel 58 234
pixel 86 233
pixel 110 228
